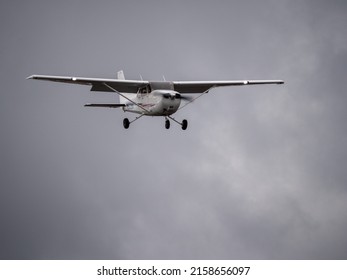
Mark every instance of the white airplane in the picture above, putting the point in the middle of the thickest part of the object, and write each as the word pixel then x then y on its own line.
pixel 150 98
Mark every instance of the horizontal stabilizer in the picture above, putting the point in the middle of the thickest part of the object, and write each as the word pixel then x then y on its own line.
pixel 105 105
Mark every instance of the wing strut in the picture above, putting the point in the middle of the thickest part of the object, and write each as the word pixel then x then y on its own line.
pixel 116 91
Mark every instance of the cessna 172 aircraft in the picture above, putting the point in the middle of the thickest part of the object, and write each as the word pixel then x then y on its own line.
pixel 149 98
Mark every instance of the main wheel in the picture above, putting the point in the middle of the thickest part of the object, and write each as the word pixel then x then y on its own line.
pixel 184 124
pixel 167 124
pixel 126 123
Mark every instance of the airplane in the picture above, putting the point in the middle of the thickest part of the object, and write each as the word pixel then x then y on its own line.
pixel 150 98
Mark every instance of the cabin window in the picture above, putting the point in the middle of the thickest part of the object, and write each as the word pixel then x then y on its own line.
pixel 144 90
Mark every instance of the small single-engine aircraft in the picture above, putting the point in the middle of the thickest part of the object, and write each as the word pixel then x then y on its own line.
pixel 149 98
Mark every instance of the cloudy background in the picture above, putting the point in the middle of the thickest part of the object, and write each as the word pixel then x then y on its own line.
pixel 259 174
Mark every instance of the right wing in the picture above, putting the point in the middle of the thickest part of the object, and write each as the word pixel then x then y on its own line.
pixel 204 86
pixel 97 84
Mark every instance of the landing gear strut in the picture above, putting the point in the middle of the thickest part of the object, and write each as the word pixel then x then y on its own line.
pixel 183 125
pixel 126 122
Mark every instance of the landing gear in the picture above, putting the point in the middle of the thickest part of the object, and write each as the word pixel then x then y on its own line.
pixel 167 124
pixel 183 125
pixel 126 123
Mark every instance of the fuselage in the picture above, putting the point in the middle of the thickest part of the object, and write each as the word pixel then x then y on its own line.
pixel 160 102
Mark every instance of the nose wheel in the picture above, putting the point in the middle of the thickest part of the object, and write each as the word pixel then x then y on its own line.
pixel 167 124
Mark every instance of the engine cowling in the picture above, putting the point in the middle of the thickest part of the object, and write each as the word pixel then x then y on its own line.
pixel 169 102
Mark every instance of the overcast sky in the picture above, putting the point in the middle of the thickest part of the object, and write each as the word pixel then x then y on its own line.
pixel 259 174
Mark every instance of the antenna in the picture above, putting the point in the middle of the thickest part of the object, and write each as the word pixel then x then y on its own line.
pixel 164 78
pixel 141 77
pixel 120 75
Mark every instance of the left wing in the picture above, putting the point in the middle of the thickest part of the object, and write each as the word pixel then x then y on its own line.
pixel 130 86
pixel 204 86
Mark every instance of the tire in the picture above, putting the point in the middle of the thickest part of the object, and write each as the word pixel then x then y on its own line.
pixel 167 124
pixel 184 124
pixel 126 123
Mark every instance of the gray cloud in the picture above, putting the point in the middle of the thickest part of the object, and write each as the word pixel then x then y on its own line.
pixel 259 174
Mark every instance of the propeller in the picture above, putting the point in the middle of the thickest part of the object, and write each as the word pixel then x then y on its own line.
pixel 178 96
pixel 184 97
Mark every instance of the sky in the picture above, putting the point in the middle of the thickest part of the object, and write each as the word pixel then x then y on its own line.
pixel 260 173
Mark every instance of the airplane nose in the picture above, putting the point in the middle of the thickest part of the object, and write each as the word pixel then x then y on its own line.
pixel 172 95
